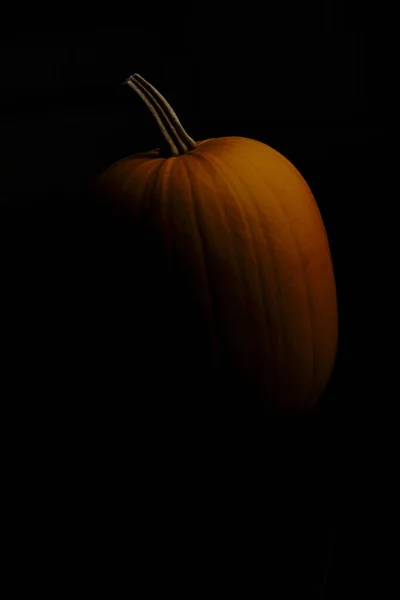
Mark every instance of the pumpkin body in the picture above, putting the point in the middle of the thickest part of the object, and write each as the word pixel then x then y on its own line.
pixel 230 270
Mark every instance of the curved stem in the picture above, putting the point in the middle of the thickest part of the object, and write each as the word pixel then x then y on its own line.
pixel 177 140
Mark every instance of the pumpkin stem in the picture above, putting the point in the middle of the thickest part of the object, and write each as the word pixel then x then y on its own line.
pixel 177 140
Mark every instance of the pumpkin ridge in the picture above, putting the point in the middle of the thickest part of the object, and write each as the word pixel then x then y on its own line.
pixel 149 191
pixel 306 285
pixel 211 300
pixel 307 289
pixel 199 157
pixel 205 158
pixel 128 183
pixel 307 293
pixel 245 221
pixel 260 278
pixel 165 207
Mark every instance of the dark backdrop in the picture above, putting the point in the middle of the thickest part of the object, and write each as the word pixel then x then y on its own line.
pixel 306 85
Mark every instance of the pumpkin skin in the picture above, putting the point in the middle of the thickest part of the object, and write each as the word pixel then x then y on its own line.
pixel 232 269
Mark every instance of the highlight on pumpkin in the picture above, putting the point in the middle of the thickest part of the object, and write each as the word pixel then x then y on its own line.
pixel 233 277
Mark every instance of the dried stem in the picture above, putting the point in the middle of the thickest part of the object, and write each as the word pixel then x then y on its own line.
pixel 177 140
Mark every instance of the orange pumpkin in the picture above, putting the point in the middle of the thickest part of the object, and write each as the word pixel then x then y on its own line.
pixel 230 265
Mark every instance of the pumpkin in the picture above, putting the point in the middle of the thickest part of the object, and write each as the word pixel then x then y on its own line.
pixel 229 283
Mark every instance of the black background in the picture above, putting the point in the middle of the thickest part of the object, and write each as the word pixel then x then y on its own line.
pixel 307 84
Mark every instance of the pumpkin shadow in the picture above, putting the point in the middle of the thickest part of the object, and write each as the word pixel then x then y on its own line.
pixel 93 318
